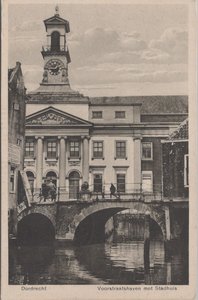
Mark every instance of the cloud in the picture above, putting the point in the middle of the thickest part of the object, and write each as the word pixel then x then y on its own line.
pixel 132 43
pixel 95 41
pixel 99 45
pixel 105 45
pixel 110 73
pixel 173 42
pixel 155 56
pixel 160 76
pixel 103 56
pixel 27 26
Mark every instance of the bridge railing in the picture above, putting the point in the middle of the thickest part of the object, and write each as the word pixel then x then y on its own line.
pixel 62 194
pixel 38 196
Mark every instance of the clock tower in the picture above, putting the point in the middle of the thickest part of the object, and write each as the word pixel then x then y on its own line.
pixel 55 53
pixel 55 88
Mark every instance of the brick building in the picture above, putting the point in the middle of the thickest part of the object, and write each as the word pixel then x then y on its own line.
pixel 176 164
pixel 16 139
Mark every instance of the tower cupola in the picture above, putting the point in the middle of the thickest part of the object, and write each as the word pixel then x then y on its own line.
pixel 56 29
pixel 55 86
pixel 56 53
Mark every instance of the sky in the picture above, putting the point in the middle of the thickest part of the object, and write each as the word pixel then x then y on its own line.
pixel 115 49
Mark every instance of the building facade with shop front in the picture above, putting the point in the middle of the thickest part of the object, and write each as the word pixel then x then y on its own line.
pixel 72 139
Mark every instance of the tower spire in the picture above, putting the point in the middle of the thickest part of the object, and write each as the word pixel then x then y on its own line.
pixel 56 10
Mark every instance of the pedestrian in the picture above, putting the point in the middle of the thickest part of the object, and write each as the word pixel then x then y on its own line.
pixel 112 190
pixel 44 191
pixel 52 190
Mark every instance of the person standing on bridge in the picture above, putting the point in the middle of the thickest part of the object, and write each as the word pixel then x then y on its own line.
pixel 52 190
pixel 44 191
pixel 112 190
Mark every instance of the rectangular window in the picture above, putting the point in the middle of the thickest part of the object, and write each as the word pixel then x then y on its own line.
pixel 97 149
pixel 12 179
pixel 98 183
pixel 147 181
pixel 186 170
pixel 147 151
pixel 120 114
pixel 120 149
pixel 121 183
pixel 29 148
pixel 51 149
pixel 74 149
pixel 96 114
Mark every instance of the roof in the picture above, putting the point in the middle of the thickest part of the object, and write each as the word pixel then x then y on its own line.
pixel 10 71
pixel 181 133
pixel 150 104
pixel 59 93
pixel 13 74
pixel 57 20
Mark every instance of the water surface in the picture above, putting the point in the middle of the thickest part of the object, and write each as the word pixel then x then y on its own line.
pixel 110 263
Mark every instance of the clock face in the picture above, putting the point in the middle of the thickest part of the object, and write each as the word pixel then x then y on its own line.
pixel 54 66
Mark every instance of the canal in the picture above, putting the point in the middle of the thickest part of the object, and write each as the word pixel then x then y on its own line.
pixel 108 263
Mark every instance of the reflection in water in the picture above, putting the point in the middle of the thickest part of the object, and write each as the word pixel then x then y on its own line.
pixel 117 263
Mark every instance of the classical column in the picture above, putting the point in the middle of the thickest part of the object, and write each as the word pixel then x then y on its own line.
pixel 85 162
pixel 62 165
pixel 137 162
pixel 39 161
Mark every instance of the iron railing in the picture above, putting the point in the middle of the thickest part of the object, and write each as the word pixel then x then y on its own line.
pixel 132 193
pixel 47 48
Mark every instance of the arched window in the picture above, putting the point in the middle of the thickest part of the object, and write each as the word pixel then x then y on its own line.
pixel 30 177
pixel 74 179
pixel 52 176
pixel 55 41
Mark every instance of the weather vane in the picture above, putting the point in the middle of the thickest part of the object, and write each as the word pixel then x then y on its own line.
pixel 57 9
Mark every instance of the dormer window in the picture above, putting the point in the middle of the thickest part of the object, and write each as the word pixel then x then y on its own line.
pixel 55 41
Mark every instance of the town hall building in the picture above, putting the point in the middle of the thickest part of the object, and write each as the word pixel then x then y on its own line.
pixel 72 139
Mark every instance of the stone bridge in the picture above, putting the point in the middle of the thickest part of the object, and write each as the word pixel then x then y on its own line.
pixel 86 221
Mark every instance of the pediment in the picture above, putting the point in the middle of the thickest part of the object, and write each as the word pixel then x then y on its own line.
pixel 55 117
pixel 55 20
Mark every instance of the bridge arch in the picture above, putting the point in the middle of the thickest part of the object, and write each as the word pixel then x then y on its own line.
pixel 112 208
pixel 35 228
pixel 47 210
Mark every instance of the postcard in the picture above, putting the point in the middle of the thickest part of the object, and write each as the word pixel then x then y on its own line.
pixel 99 150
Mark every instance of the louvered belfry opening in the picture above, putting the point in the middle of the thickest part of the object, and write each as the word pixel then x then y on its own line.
pixel 55 41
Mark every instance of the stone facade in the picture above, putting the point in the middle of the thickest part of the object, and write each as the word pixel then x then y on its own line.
pixel 71 138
